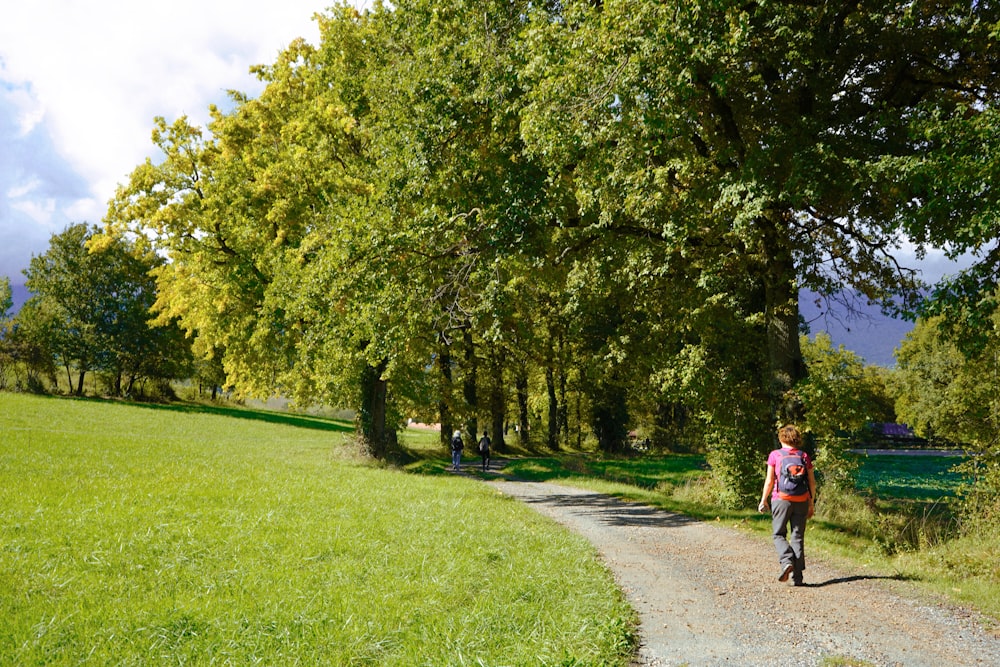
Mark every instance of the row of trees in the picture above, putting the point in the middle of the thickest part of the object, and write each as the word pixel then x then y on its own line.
pixel 593 210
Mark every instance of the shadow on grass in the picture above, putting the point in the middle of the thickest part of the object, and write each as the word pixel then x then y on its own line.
pixel 284 418
pixel 422 466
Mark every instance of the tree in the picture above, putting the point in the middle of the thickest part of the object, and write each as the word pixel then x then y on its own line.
pixel 26 347
pixel 208 371
pixel 467 208
pixel 6 351
pixel 65 281
pixel 944 394
pixel 956 205
pixel 279 256
pixel 841 400
pixel 749 142
pixel 6 300
pixel 90 306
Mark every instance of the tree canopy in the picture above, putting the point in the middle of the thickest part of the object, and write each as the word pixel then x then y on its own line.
pixel 90 309
pixel 612 203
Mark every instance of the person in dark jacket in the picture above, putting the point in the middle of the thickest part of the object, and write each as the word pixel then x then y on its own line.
pixel 484 450
pixel 456 451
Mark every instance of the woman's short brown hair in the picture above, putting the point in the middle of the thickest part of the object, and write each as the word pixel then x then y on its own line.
pixel 790 435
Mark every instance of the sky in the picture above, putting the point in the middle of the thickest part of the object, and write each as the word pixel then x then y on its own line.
pixel 82 80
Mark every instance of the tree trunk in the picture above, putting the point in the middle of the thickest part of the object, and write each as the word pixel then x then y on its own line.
pixel 469 385
pixel 373 408
pixel 498 402
pixel 562 413
pixel 781 313
pixel 79 382
pixel 444 391
pixel 579 419
pixel 609 414
pixel 550 387
pixel 521 387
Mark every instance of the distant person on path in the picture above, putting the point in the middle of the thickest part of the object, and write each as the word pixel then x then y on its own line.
pixel 456 451
pixel 484 450
pixel 790 488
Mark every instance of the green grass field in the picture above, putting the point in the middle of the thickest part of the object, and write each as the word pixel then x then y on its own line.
pixel 186 535
pixel 138 534
pixel 923 478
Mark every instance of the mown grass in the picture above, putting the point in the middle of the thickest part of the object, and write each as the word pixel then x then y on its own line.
pixel 921 478
pixel 188 535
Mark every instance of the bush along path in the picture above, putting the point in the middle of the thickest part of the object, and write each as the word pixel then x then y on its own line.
pixel 709 595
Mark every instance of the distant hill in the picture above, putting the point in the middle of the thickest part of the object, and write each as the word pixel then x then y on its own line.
pixel 869 334
pixel 19 294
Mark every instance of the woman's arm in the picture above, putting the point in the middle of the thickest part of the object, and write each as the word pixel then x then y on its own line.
pixel 765 495
pixel 812 491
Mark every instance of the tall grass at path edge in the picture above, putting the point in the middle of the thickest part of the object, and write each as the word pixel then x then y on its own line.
pixel 138 535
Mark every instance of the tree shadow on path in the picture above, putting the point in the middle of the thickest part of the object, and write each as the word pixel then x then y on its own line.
pixel 614 512
pixel 861 577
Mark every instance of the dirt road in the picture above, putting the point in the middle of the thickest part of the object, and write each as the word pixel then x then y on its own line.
pixel 709 595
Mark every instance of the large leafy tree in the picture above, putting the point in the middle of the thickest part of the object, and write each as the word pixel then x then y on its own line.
pixel 261 223
pixel 294 236
pixel 749 141
pixel 466 204
pixel 68 280
pixel 956 206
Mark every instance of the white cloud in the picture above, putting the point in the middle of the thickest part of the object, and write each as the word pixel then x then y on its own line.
pixel 80 84
pixel 39 210
pixel 23 189
pixel 27 113
pixel 934 263
pixel 79 209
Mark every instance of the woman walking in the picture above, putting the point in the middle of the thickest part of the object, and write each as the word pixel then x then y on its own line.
pixel 790 487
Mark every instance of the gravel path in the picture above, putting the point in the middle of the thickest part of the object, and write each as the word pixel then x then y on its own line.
pixel 709 595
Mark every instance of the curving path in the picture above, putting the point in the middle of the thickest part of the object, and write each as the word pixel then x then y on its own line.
pixel 708 595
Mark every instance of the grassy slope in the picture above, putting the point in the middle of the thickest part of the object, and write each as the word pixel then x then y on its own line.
pixel 133 534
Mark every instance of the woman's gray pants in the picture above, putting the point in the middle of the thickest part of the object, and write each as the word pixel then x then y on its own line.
pixel 791 549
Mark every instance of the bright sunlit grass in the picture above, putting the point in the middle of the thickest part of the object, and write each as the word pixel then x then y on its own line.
pixel 138 535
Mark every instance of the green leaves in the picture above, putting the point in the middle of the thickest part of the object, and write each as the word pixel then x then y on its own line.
pixel 951 396
pixel 6 299
pixel 643 187
pixel 91 309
